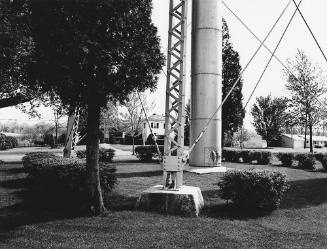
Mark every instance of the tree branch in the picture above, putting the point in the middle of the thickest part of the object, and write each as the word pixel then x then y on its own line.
pixel 15 100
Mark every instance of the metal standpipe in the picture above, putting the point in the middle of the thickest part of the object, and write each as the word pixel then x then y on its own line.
pixel 206 81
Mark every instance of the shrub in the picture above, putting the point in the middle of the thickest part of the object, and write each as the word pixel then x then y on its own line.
pixel 64 178
pixel 286 159
pixel 81 154
pixel 306 161
pixel 232 155
pixel 105 155
pixel 253 188
pixel 323 159
pixel 7 142
pixel 11 142
pixel 246 156
pixel 147 152
pixel 30 160
pixel 262 157
pixel 49 140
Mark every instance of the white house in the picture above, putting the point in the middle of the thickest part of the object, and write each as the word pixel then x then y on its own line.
pixel 157 124
pixel 292 141
pixel 297 141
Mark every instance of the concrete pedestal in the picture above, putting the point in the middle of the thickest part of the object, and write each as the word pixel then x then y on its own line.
pixel 208 170
pixel 187 201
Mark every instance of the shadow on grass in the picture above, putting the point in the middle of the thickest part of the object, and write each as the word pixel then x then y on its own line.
pixel 215 207
pixel 12 171
pixel 139 174
pixel 117 202
pixel 32 210
pixel 16 183
pixel 305 193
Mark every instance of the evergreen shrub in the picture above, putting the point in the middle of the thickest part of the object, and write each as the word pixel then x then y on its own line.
pixel 253 189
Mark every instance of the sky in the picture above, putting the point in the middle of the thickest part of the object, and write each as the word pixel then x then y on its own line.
pixel 259 15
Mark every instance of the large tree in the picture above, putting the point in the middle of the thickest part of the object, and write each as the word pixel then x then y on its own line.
pixel 305 83
pixel 90 52
pixel 16 48
pixel 269 118
pixel 232 111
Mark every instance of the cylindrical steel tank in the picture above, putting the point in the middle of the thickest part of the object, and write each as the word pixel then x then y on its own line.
pixel 206 81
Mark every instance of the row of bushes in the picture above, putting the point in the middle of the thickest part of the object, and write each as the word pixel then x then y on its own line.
pixel 64 178
pixel 305 160
pixel 148 152
pixel 105 155
pixel 253 189
pixel 247 156
pixel 7 142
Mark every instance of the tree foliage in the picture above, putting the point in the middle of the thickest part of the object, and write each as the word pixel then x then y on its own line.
pixel 90 52
pixel 232 111
pixel 305 85
pixel 16 49
pixel 269 118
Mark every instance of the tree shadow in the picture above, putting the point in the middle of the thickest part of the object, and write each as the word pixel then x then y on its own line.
pixel 139 174
pixel 30 209
pixel 215 207
pixel 117 202
pixel 12 171
pixel 305 193
pixel 16 183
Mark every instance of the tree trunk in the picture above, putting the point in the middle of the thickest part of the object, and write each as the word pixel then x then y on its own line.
pixel 15 100
pixel 56 137
pixel 133 146
pixel 305 132
pixel 92 161
pixel 311 145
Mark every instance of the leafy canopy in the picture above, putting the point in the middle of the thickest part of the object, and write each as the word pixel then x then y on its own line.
pixel 232 111
pixel 93 49
pixel 269 118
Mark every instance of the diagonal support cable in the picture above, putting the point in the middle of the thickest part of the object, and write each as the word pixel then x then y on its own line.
pixel 272 55
pixel 237 81
pixel 314 37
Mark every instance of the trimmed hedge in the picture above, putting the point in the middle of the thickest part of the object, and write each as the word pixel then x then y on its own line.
pixel 7 142
pixel 322 158
pixel 306 161
pixel 64 178
pixel 286 159
pixel 247 156
pixel 147 152
pixel 105 155
pixel 253 189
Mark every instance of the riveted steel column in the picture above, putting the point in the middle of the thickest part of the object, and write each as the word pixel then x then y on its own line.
pixel 206 81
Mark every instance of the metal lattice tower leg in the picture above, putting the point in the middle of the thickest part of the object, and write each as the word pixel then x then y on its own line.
pixel 175 95
pixel 72 133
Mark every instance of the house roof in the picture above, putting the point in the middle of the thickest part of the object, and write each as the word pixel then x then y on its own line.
pixel 10 134
pixel 301 137
pixel 156 117
pixel 294 137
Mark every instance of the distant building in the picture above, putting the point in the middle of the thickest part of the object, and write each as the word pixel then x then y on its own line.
pixel 297 141
pixel 157 124
pixel 292 141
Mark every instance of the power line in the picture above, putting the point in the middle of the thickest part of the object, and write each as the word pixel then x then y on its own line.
pixel 314 37
pixel 258 39
pixel 237 81
pixel 272 55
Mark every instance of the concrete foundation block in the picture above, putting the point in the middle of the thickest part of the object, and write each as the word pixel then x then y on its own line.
pixel 187 201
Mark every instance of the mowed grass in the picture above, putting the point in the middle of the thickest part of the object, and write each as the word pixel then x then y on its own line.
pixel 300 222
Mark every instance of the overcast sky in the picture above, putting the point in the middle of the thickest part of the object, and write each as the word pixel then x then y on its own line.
pixel 259 15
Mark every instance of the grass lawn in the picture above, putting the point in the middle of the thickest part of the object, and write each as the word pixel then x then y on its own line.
pixel 300 222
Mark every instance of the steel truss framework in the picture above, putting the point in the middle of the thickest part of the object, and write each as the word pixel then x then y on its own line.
pixel 175 95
